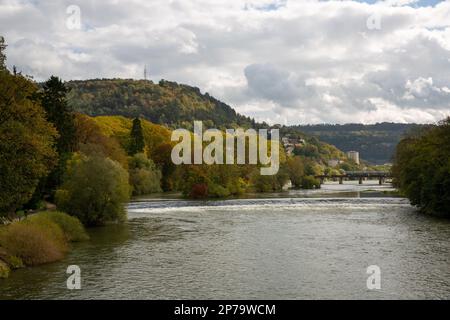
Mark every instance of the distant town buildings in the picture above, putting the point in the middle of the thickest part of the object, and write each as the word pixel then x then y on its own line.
pixel 353 155
pixel 334 162
pixel 290 144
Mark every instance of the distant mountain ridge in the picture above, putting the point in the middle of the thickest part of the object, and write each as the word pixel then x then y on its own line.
pixel 376 143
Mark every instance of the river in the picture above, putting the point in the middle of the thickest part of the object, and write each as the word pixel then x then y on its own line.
pixel 292 245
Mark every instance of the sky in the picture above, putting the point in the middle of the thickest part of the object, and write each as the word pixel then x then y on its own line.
pixel 287 62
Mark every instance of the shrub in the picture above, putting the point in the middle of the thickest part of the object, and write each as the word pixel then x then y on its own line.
pixel 94 190
pixel 72 228
pixel 31 242
pixel 49 228
pixel 215 190
pixel 145 178
pixel 269 183
pixel 4 270
pixel 309 182
pixel 12 261
pixel 199 190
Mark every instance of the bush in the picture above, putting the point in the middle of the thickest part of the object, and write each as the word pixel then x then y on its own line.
pixel 199 190
pixel 72 228
pixel 145 178
pixel 49 228
pixel 12 261
pixel 309 182
pixel 4 270
pixel 94 190
pixel 32 243
pixel 269 183
pixel 217 191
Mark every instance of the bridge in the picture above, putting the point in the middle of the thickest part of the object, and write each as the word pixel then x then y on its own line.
pixel 353 175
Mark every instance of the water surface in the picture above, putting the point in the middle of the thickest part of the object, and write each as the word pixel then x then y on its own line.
pixel 292 245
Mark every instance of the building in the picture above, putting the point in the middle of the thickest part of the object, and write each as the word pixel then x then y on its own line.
pixel 291 143
pixel 333 162
pixel 353 155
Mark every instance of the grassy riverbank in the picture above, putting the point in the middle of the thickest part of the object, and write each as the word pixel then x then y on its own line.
pixel 40 238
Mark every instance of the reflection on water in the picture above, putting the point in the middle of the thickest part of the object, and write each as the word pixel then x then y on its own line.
pixel 292 245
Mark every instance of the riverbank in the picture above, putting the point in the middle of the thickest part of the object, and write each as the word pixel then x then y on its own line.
pixel 37 239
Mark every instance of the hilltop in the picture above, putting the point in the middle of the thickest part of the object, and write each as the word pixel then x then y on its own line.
pixel 167 103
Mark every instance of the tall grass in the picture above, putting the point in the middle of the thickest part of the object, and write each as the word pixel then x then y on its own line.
pixel 31 243
pixel 41 238
pixel 72 228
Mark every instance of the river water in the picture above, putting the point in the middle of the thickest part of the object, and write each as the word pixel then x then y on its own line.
pixel 292 245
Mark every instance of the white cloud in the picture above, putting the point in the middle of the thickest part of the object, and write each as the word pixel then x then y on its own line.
pixel 299 61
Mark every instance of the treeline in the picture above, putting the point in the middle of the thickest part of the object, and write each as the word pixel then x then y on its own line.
pixel 48 152
pixel 422 168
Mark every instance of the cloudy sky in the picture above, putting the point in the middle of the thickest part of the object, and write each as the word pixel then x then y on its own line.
pixel 294 61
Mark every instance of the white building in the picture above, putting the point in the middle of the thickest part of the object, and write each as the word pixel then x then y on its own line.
pixel 353 155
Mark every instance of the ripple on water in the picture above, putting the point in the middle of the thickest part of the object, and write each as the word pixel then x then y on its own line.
pixel 267 248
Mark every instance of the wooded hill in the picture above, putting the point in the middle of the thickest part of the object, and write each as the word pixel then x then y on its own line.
pixel 168 103
pixel 376 143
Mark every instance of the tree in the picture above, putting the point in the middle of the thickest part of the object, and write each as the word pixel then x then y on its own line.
pixel 90 140
pixel 162 157
pixel 421 168
pixel 26 142
pixel 296 170
pixel 54 102
pixel 137 143
pixel 145 178
pixel 94 190
pixel 57 111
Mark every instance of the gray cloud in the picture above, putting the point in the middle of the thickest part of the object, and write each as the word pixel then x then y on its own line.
pixel 280 61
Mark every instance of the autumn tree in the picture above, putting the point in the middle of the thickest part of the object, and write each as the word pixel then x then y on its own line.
pixel 90 140
pixel 296 170
pixel 26 141
pixel 145 178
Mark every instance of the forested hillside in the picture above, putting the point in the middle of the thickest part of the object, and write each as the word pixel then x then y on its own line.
pixel 173 105
pixel 376 142
pixel 169 103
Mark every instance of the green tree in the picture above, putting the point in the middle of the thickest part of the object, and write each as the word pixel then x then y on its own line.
pixel 296 170
pixel 269 183
pixel 137 143
pixel 145 178
pixel 54 102
pixel 94 190
pixel 26 142
pixel 421 168
pixel 309 182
